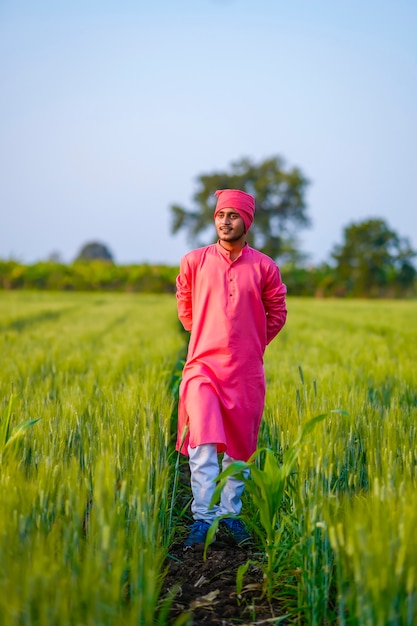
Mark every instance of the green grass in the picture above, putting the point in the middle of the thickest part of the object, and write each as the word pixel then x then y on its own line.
pixel 85 498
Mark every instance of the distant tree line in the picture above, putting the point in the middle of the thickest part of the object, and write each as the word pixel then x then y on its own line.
pixel 323 281
pixel 94 275
pixel 372 261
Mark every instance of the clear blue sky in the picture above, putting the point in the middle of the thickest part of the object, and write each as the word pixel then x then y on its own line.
pixel 110 111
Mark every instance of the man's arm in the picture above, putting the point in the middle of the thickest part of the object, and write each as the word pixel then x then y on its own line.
pixel 184 299
pixel 273 297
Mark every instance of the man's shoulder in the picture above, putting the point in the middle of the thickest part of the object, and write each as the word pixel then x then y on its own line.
pixel 260 257
pixel 198 253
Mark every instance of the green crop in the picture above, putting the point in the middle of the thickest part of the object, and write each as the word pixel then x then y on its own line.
pixel 11 437
pixel 83 524
pixel 266 487
pixel 89 475
pixel 349 551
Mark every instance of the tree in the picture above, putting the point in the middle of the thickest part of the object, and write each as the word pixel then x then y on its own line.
pixel 94 250
pixel 280 205
pixel 374 260
pixel 55 257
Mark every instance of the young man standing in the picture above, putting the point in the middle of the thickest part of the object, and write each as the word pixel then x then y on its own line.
pixel 232 299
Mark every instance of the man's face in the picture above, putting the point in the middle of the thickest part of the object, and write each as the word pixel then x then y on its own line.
pixel 229 225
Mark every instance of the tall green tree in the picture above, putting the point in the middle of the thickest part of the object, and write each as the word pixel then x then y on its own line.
pixel 280 206
pixel 374 260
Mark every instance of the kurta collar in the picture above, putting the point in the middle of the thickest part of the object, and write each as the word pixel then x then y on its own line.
pixel 226 254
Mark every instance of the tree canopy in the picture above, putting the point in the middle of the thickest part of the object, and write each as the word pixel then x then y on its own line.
pixel 374 259
pixel 280 206
pixel 94 250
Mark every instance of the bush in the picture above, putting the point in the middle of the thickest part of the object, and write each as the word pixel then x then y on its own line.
pixel 96 275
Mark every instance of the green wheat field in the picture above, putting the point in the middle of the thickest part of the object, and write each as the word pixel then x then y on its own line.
pixel 88 507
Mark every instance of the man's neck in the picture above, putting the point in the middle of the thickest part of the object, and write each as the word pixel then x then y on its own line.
pixel 234 247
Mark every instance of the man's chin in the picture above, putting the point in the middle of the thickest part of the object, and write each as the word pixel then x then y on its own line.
pixel 230 237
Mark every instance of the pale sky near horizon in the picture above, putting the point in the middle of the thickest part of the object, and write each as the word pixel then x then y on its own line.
pixel 111 110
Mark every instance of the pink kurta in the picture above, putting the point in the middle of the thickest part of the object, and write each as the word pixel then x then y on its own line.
pixel 233 310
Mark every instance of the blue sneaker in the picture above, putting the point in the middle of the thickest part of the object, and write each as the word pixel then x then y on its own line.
pixel 235 529
pixel 198 533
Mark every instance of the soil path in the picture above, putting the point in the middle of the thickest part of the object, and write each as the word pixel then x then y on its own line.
pixel 207 588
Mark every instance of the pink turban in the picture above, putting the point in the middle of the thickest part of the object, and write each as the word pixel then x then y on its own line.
pixel 241 201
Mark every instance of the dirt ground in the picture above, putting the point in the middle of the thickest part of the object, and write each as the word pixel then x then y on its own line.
pixel 207 589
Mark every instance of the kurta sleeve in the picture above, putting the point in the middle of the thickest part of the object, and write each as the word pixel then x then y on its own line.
pixel 184 298
pixel 273 297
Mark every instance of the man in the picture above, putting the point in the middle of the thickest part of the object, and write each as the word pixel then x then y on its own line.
pixel 232 299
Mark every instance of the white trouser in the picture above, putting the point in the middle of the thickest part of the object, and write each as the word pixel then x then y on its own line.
pixel 204 467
